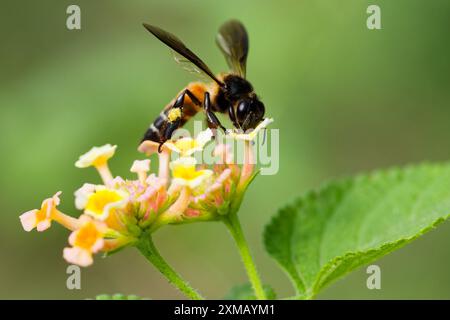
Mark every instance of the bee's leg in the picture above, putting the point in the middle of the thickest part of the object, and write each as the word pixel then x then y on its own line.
pixel 211 118
pixel 170 127
pixel 175 115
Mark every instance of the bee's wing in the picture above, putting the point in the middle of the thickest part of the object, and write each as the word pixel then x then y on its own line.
pixel 232 40
pixel 190 67
pixel 176 45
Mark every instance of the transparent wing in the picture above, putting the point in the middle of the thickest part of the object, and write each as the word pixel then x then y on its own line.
pixel 188 66
pixel 232 40
pixel 175 44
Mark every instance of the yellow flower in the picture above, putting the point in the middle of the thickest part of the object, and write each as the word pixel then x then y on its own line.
pixel 187 145
pixel 185 174
pixel 100 203
pixel 85 241
pixel 98 157
pixel 41 219
pixel 251 135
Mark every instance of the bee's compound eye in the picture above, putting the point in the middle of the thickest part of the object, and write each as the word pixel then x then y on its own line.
pixel 249 113
pixel 259 109
pixel 243 109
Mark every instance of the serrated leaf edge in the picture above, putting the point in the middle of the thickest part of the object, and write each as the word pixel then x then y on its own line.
pixel 335 263
pixel 329 267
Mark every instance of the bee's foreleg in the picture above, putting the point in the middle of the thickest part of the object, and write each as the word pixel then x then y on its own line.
pixel 211 118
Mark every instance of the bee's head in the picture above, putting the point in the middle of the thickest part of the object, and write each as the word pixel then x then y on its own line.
pixel 249 112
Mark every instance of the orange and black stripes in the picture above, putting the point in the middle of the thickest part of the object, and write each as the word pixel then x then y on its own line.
pixel 189 109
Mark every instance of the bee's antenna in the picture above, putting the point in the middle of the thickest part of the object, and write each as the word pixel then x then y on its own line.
pixel 247 119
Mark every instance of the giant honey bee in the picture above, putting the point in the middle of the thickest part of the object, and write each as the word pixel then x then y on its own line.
pixel 228 93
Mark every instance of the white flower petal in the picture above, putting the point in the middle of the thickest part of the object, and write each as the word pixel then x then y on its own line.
pixel 140 166
pixel 172 146
pixel 251 135
pixel 82 194
pixel 88 159
pixel 183 161
pixel 204 137
pixel 193 183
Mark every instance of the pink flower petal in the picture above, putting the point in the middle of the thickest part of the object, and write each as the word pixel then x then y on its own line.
pixel 78 256
pixel 43 225
pixel 56 199
pixel 73 237
pixel 98 245
pixel 28 220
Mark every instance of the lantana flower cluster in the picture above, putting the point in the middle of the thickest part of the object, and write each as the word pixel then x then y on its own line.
pixel 116 212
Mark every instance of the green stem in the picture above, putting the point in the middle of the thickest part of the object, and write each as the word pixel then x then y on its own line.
pixel 234 226
pixel 148 249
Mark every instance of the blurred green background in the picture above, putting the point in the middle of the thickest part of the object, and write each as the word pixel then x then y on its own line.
pixel 345 98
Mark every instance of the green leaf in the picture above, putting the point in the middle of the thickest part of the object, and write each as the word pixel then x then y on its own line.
pixel 245 292
pixel 117 296
pixel 349 223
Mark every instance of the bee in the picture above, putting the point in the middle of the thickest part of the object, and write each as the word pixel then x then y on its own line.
pixel 228 93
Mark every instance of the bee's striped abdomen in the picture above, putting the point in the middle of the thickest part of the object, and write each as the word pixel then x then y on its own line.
pixel 156 130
